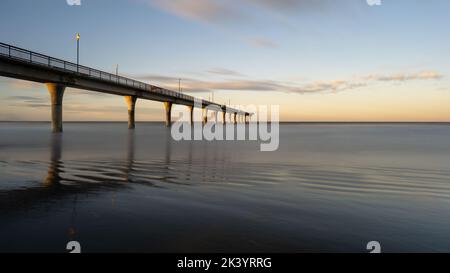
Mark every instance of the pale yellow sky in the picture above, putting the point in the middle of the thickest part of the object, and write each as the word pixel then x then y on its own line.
pixel 409 101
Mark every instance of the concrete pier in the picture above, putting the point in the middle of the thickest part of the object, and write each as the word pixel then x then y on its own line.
pixel 168 108
pixel 131 103
pixel 56 97
pixel 224 117
pixel 205 115
pixel 19 64
pixel 191 114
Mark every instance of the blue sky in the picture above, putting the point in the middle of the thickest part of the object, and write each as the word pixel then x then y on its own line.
pixel 317 59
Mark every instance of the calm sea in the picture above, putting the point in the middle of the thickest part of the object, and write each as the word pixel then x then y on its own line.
pixel 329 188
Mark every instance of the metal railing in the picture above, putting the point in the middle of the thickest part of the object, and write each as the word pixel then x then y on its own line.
pixel 69 67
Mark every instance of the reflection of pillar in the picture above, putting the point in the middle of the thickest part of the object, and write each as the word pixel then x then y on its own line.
pixel 224 117
pixel 130 156
pixel 55 165
pixel 168 108
pixel 205 115
pixel 191 114
pixel 234 117
pixel 56 97
pixel 131 103
pixel 168 152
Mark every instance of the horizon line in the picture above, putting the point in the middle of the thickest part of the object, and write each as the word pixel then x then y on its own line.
pixel 119 121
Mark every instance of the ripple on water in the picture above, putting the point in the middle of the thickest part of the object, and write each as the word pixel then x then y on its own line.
pixel 326 179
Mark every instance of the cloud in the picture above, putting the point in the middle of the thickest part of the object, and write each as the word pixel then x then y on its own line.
pixel 292 6
pixel 261 42
pixel 194 85
pixel 424 75
pixel 224 72
pixel 209 11
pixel 28 101
pixel 27 98
pixel 215 12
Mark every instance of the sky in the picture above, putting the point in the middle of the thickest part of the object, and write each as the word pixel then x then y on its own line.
pixel 319 60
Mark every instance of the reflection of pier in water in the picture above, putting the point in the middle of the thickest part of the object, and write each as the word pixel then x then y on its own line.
pixel 63 180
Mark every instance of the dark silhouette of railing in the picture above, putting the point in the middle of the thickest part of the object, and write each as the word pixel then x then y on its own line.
pixel 17 53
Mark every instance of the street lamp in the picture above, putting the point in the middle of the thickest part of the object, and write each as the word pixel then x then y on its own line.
pixel 78 52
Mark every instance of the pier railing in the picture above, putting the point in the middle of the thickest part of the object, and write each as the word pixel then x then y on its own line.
pixel 17 53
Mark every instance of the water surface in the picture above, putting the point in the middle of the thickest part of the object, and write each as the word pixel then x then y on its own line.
pixel 329 188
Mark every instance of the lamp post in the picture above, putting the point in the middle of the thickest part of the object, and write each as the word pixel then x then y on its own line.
pixel 78 52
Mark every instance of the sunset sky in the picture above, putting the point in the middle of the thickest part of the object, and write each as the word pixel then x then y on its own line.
pixel 320 60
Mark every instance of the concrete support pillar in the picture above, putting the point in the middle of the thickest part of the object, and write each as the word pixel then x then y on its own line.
pixel 246 118
pixel 191 114
pixel 234 117
pixel 224 117
pixel 168 109
pixel 205 115
pixel 56 97
pixel 131 103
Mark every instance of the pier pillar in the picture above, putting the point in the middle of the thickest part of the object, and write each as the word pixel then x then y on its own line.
pixel 246 119
pixel 224 117
pixel 168 108
pixel 191 114
pixel 56 97
pixel 234 117
pixel 205 115
pixel 131 103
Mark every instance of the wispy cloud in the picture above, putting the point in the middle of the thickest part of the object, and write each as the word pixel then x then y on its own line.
pixel 261 42
pixel 194 85
pixel 28 101
pixel 424 75
pixel 289 7
pixel 223 13
pixel 209 11
pixel 224 72
pixel 219 11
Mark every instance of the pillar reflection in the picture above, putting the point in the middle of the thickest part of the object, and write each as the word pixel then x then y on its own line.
pixel 53 177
